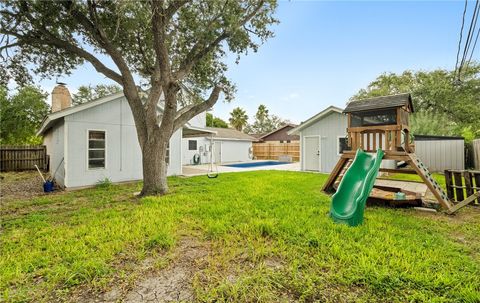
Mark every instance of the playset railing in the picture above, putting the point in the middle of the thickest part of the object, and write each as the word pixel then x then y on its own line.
pixel 387 137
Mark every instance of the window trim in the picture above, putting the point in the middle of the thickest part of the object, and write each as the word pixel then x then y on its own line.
pixel 88 149
pixel 167 155
pixel 338 144
pixel 196 145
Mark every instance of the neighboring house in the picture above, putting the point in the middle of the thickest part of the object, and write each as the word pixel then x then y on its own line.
pixel 280 135
pixel 322 139
pixel 230 145
pixel 97 140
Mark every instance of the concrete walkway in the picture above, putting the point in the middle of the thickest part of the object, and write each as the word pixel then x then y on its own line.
pixel 198 170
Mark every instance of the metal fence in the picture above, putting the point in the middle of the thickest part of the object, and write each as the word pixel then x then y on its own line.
pixel 441 153
pixel 476 153
pixel 272 151
pixel 18 158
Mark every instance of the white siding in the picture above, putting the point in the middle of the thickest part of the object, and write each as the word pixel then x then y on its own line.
pixel 328 128
pixel 123 154
pixel 202 144
pixel 439 155
pixel 54 141
pixel 199 120
pixel 234 151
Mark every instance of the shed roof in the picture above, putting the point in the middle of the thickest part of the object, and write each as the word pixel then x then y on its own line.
pixel 312 120
pixel 382 102
pixel 230 134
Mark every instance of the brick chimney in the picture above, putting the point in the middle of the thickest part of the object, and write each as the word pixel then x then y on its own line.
pixel 61 98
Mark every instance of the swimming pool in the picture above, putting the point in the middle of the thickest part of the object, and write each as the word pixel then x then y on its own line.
pixel 256 164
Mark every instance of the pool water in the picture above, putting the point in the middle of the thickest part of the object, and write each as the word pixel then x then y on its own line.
pixel 256 164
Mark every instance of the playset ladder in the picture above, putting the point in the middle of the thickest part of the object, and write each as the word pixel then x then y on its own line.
pixel 432 185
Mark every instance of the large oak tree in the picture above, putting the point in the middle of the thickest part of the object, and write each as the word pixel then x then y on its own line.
pixel 159 45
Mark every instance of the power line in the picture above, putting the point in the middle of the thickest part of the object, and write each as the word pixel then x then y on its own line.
pixel 474 44
pixel 471 32
pixel 461 33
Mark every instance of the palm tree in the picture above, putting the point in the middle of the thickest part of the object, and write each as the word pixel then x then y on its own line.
pixel 238 118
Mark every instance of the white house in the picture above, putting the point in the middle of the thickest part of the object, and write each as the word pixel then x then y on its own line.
pixel 322 139
pixel 97 140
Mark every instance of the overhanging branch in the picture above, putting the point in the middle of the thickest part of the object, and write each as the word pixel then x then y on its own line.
pixel 191 111
pixel 197 53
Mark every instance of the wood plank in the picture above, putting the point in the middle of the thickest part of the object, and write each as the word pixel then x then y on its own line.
pixel 449 185
pixel 464 203
pixel 457 178
pixel 328 186
pixel 398 171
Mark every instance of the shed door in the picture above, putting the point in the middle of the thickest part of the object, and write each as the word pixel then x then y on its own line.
pixel 217 152
pixel 312 153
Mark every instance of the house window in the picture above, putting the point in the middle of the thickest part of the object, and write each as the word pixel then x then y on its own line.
pixel 281 141
pixel 192 144
pixel 96 149
pixel 342 145
pixel 288 141
pixel 167 156
pixel 372 118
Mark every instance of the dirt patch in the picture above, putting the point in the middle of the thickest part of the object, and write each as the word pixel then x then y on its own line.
pixel 20 185
pixel 171 284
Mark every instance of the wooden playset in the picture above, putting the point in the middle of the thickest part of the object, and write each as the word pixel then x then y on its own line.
pixel 383 123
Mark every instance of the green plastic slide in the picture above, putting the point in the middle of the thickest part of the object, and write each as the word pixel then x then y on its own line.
pixel 348 203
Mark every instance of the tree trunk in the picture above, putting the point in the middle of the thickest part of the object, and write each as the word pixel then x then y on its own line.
pixel 154 166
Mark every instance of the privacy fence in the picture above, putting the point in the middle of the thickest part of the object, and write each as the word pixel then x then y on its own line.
pixel 18 158
pixel 272 151
pixel 476 153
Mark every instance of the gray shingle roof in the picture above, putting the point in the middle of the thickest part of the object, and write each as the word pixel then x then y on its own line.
pixel 229 133
pixel 391 101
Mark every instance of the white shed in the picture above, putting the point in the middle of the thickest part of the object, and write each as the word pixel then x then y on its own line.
pixel 322 139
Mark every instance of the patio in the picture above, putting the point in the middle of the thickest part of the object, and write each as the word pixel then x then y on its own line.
pixel 198 170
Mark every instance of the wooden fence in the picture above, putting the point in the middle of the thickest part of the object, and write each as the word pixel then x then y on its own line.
pixel 462 184
pixel 271 151
pixel 18 158
pixel 476 153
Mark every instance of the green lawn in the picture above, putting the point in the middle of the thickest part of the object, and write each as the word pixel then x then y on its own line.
pixel 269 239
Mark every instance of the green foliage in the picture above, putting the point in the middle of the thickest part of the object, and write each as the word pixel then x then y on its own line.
pixel 195 26
pixel 427 123
pixel 264 122
pixel 271 242
pixel 90 92
pixel 469 134
pixel 238 118
pixel 103 183
pixel 21 114
pixel 215 121
pixel 436 95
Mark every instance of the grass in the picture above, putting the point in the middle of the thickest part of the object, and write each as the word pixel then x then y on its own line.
pixel 270 239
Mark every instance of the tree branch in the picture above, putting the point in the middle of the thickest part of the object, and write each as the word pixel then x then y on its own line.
pixel 191 111
pixel 49 39
pixel 174 7
pixel 196 53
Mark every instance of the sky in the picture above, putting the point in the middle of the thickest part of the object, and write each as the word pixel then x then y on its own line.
pixel 323 52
